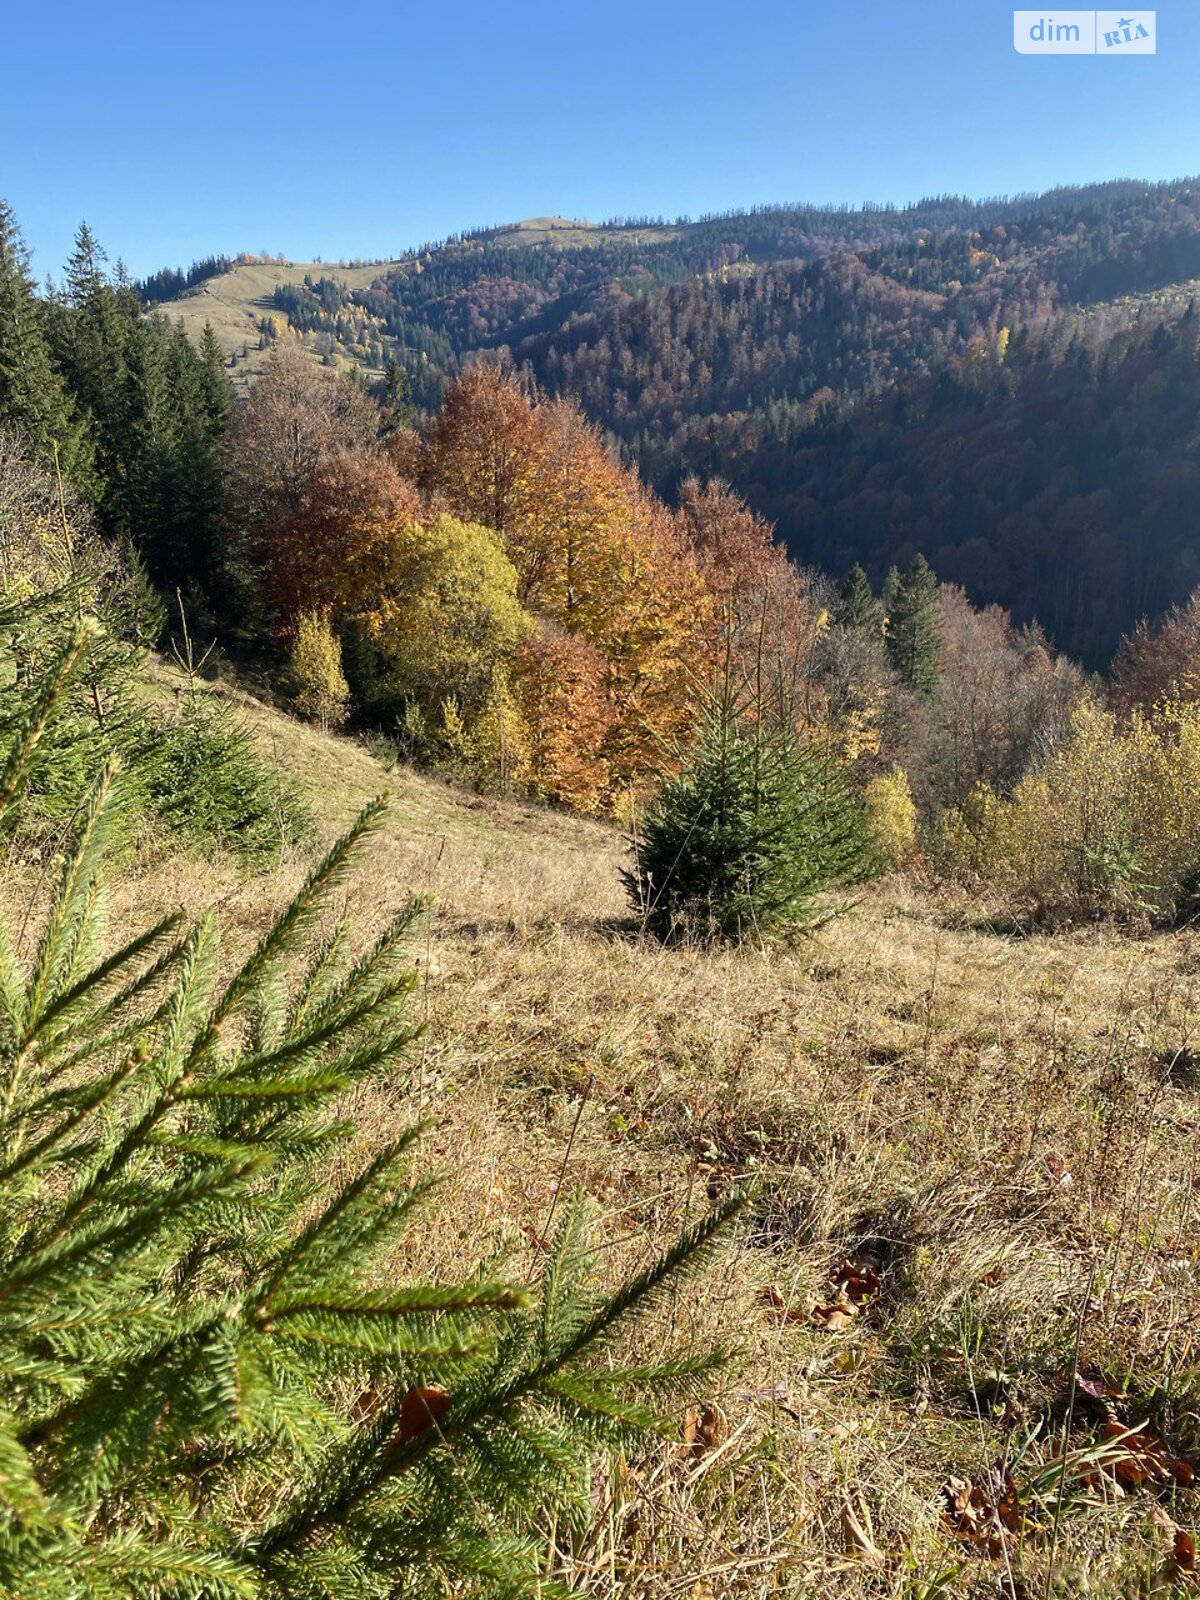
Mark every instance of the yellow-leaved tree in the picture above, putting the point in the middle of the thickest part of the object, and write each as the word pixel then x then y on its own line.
pixel 1110 822
pixel 319 687
pixel 892 819
pixel 445 613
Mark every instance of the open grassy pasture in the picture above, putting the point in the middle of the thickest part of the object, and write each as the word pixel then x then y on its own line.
pixel 976 1156
pixel 233 302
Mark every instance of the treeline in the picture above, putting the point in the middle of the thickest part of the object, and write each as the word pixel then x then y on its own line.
pixel 171 282
pixel 129 408
pixel 517 608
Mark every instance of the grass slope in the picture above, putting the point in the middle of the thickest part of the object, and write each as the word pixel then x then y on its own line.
pixel 1004 1129
pixel 234 302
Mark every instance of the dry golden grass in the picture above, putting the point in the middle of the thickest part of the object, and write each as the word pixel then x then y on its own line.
pixel 1004 1128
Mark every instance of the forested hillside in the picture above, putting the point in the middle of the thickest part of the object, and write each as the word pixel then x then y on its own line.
pixel 804 354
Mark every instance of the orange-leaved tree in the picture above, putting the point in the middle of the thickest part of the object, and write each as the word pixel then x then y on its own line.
pixel 297 417
pixel 331 550
pixel 562 687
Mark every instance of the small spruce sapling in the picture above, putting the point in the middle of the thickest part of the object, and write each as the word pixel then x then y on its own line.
pixel 212 1383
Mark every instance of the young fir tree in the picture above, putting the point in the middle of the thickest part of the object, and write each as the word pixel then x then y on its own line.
pixel 214 1381
pixel 754 829
pixel 33 397
pixel 189 762
pixel 914 633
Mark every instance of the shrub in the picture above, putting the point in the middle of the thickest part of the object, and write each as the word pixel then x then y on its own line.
pixel 194 770
pixel 318 683
pixel 741 844
pixel 1110 823
pixel 892 819
pixel 214 1381
pixel 202 777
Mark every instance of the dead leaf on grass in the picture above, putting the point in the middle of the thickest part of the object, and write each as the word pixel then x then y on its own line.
pixel 773 1297
pixel 704 1427
pixel 984 1514
pixel 420 1410
pixel 1181 1545
pixel 1183 1552
pixel 858 1534
pixel 854 1285
pixel 1139 1458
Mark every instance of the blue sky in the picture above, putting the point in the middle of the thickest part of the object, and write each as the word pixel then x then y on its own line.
pixel 317 129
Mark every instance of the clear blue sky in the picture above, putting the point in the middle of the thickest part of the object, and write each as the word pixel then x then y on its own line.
pixel 197 126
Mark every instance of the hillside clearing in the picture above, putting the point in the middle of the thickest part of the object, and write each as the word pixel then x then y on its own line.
pixel 1002 1129
pixel 234 303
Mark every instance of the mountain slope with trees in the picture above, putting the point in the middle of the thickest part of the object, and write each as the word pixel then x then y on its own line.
pixel 783 349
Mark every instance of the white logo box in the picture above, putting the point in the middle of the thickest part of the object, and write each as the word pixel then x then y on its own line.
pixel 1085 33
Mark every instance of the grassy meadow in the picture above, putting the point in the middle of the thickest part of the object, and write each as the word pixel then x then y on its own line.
pixel 971 1253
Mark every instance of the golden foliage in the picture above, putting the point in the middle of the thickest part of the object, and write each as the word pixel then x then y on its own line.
pixel 892 818
pixel 446 611
pixel 498 744
pixel 319 687
pixel 1110 822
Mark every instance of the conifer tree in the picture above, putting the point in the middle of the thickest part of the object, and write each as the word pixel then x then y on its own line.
pixel 33 398
pixel 91 334
pixel 743 841
pixel 857 606
pixel 914 634
pixel 156 406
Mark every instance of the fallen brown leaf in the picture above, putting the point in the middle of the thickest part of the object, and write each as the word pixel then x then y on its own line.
pixel 772 1296
pixel 1140 1458
pixel 1184 1550
pixel 984 1514
pixel 704 1427
pixel 840 1314
pixel 856 1531
pixel 419 1411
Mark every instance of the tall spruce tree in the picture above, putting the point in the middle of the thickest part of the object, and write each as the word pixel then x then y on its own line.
pixel 857 606
pixel 914 632
pixel 157 406
pixel 33 397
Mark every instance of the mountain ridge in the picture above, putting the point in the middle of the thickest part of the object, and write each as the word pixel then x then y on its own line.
pixel 729 345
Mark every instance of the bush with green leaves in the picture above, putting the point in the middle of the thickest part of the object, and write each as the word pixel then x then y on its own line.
pixel 215 1381
pixel 747 840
